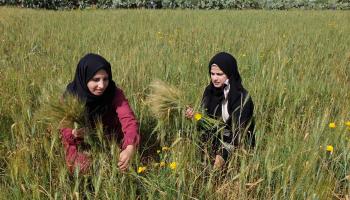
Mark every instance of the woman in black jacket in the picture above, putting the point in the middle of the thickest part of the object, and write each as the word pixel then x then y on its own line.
pixel 226 99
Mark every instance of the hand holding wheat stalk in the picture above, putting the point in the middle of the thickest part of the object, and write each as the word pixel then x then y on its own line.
pixel 70 113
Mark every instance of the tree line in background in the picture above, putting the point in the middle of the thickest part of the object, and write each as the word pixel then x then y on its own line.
pixel 191 4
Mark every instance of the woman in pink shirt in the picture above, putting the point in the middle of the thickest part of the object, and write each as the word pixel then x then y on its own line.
pixel 104 101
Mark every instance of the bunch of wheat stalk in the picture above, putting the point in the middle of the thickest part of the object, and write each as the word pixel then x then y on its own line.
pixel 165 101
pixel 67 112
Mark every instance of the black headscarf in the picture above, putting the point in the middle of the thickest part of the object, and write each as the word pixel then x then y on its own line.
pixel 96 106
pixel 213 97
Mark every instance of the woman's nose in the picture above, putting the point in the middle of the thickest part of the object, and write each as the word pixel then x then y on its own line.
pixel 101 84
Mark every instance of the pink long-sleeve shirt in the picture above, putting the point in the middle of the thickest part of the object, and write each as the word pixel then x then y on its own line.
pixel 120 122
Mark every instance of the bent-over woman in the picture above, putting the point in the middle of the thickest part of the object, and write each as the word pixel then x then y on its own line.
pixel 93 84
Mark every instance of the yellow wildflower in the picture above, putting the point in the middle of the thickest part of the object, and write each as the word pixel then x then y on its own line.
pixel 141 170
pixel 331 125
pixel 329 148
pixel 197 116
pixel 347 123
pixel 158 151
pixel 162 164
pixel 165 148
pixel 172 165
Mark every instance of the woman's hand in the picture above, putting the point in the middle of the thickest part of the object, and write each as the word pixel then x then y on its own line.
pixel 219 162
pixel 78 133
pixel 189 112
pixel 125 157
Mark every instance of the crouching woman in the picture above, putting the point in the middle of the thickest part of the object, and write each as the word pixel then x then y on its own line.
pixel 104 102
pixel 225 99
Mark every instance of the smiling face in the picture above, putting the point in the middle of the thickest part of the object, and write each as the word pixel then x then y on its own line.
pixel 217 76
pixel 98 83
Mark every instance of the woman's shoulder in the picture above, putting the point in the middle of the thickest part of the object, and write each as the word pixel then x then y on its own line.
pixel 118 96
pixel 247 95
pixel 118 91
pixel 207 90
pixel 247 100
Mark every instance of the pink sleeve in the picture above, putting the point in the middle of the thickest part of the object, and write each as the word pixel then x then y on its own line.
pixel 66 134
pixel 67 137
pixel 74 158
pixel 127 120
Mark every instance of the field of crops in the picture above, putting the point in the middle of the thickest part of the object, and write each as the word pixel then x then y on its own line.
pixel 295 64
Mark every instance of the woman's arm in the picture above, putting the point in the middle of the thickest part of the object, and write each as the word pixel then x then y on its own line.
pixel 67 137
pixel 129 127
pixel 127 120
pixel 71 137
pixel 245 115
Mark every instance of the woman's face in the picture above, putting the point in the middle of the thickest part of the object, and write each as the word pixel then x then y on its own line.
pixel 217 76
pixel 98 83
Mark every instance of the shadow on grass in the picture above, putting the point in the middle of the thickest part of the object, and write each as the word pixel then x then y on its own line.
pixel 149 143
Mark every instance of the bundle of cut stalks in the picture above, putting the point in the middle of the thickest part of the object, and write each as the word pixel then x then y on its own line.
pixel 70 113
pixel 63 113
pixel 164 100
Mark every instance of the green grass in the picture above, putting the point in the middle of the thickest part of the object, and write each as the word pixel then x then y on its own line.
pixel 295 64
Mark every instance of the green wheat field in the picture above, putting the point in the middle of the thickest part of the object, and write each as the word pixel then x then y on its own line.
pixel 295 64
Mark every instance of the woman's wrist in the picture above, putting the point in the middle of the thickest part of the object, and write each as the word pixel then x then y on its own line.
pixel 130 147
pixel 74 133
pixel 78 133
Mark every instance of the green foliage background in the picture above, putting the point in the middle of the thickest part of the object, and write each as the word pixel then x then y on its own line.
pixel 191 4
pixel 295 64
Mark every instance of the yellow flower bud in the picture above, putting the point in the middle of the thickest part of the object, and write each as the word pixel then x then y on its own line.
pixel 172 165
pixel 332 125
pixel 329 148
pixel 197 116
pixel 347 123
pixel 141 170
pixel 165 148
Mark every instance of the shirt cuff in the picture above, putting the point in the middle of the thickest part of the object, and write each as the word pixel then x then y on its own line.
pixel 131 141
